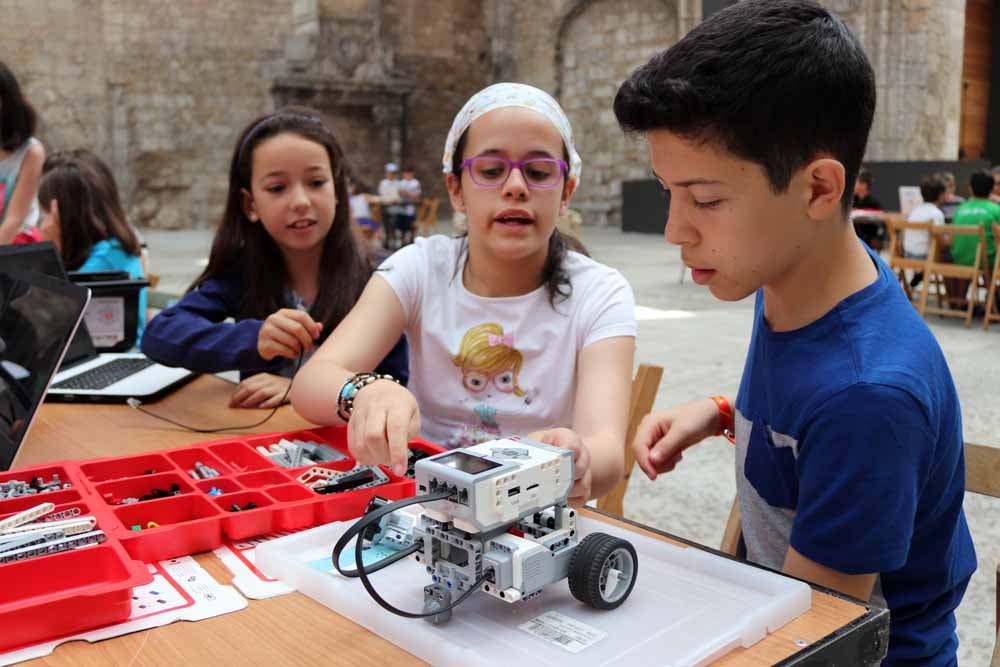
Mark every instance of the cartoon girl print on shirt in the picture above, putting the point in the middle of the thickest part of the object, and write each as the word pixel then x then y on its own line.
pixel 490 365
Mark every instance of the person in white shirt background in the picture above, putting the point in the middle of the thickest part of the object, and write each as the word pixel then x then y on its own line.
pixel 934 190
pixel 388 196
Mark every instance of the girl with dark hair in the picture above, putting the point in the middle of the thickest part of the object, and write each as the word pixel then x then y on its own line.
pixel 70 198
pixel 21 158
pixel 510 333
pixel 284 265
pixel 107 201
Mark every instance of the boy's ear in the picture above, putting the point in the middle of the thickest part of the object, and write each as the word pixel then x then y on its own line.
pixel 825 179
pixel 249 209
pixel 567 194
pixel 455 192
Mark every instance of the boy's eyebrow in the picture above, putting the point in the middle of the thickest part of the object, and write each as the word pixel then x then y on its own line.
pixel 691 181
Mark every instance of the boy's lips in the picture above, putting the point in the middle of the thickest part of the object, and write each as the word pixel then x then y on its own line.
pixel 701 276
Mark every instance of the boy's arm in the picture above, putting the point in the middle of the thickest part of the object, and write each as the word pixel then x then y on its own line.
pixel 856 585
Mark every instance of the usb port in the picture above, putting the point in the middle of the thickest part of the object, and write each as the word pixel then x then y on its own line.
pixel 513 491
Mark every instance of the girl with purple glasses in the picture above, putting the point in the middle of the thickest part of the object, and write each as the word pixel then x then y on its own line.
pixel 510 333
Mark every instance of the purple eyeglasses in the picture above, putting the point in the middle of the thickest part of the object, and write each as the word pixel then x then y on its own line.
pixel 491 171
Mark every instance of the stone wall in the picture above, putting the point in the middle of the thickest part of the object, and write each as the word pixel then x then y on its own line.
pixel 159 90
pixel 915 47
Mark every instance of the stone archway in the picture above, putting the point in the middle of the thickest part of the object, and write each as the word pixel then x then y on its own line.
pixel 599 43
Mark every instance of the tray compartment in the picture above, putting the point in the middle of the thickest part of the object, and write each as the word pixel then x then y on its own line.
pixel 188 524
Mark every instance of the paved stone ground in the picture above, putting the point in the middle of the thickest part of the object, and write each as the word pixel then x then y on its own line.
pixel 701 343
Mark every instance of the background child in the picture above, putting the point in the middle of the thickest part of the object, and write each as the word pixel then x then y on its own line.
pixel 849 458
pixel 107 202
pixel 361 214
pixel 409 194
pixel 21 158
pixel 70 197
pixel 979 210
pixel 510 333
pixel 285 264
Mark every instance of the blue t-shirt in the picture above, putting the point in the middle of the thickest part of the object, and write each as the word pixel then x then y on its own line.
pixel 849 449
pixel 110 256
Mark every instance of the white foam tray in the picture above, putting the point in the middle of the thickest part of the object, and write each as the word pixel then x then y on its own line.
pixel 688 607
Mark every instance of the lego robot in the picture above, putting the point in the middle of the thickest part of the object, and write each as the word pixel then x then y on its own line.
pixel 495 518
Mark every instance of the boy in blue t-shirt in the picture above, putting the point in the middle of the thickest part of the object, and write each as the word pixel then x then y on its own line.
pixel 849 460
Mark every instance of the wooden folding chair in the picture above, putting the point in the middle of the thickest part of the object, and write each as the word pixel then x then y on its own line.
pixel 992 313
pixel 898 261
pixel 644 388
pixel 982 476
pixel 942 271
pixel 427 216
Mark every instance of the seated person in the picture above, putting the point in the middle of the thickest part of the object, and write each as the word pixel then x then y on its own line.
pixel 978 210
pixel 69 196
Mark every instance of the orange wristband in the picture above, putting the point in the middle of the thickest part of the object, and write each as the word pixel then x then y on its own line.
pixel 727 425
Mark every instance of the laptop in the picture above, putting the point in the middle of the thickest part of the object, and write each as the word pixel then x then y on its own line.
pixel 38 316
pixel 86 375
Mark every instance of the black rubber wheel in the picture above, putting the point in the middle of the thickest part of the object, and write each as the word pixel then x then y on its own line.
pixel 603 570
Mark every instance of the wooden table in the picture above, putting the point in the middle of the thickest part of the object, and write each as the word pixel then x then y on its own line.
pixel 293 629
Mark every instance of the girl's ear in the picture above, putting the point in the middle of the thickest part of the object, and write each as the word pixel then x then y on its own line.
pixel 249 209
pixel 455 192
pixel 568 190
pixel 54 211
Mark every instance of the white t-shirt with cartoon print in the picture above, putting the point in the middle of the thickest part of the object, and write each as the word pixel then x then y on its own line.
pixel 482 368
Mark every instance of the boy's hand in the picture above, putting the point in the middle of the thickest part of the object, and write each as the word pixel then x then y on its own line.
pixel 663 436
pixel 384 420
pixel 260 391
pixel 568 439
pixel 287 332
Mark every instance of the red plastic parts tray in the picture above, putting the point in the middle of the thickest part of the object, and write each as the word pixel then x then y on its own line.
pixel 58 594
pixel 67 592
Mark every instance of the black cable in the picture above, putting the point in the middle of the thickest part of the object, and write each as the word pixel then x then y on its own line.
pixel 136 404
pixel 362 572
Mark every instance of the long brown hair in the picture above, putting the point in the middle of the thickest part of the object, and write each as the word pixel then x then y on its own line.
pixel 104 194
pixel 79 226
pixel 17 117
pixel 244 250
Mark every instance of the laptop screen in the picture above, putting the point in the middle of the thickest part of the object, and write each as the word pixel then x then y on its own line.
pixel 44 258
pixel 38 316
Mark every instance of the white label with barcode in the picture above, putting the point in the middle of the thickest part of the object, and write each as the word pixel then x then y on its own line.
pixel 563 631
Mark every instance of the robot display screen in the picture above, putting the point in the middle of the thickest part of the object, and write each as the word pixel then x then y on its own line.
pixel 467 463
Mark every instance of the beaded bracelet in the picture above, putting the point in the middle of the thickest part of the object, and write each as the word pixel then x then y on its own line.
pixel 350 389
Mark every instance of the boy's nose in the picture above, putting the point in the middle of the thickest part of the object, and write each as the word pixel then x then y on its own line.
pixel 677 230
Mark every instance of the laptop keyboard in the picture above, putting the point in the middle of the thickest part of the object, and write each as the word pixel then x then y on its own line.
pixel 105 375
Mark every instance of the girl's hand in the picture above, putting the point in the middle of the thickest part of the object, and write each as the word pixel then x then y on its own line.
pixel 384 420
pixel 663 436
pixel 260 391
pixel 568 439
pixel 286 333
